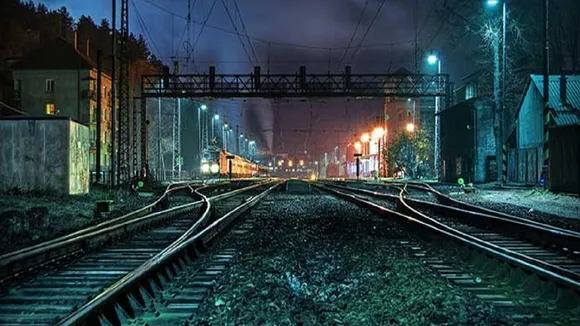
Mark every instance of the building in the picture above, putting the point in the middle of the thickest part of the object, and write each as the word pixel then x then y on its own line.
pixel 467 139
pixel 525 156
pixel 59 80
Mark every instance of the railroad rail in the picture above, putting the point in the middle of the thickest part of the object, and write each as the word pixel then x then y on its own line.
pixel 65 289
pixel 548 253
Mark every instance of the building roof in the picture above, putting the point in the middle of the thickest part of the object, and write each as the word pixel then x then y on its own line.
pixel 56 54
pixel 567 114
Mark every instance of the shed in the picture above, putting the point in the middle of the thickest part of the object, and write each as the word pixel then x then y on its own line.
pixel 525 160
pixel 44 154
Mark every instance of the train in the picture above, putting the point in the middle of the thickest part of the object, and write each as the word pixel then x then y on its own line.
pixel 215 163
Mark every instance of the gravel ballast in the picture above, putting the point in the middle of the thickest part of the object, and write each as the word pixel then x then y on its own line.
pixel 317 260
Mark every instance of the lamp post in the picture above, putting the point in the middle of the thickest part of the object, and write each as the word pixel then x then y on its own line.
pixel 215 119
pixel 225 137
pixel 410 127
pixel 432 59
pixel 501 107
pixel 202 131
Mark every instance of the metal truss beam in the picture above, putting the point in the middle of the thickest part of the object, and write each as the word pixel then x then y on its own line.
pixel 297 85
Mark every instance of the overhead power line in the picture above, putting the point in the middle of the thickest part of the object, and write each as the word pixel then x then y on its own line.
pixel 353 34
pixel 257 39
pixel 368 30
pixel 246 31
pixel 236 29
pixel 145 30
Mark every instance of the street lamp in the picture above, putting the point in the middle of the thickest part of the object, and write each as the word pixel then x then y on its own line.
pixel 365 138
pixel 215 119
pixel 501 108
pixel 202 127
pixel 358 147
pixel 432 59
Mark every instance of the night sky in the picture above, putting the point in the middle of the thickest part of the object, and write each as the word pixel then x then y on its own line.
pixel 299 32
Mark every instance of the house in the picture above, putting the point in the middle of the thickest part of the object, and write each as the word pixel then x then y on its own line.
pixel 467 139
pixel 59 80
pixel 525 157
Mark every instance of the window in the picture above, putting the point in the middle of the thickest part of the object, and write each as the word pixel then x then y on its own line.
pixel 470 92
pixel 49 86
pixel 50 109
pixel 17 88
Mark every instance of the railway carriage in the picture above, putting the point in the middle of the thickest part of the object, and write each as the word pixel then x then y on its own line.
pixel 215 164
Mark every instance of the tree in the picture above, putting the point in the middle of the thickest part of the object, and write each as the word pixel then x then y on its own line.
pixel 410 153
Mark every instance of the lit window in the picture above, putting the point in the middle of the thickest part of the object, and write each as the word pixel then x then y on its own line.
pixel 470 92
pixel 49 88
pixel 50 110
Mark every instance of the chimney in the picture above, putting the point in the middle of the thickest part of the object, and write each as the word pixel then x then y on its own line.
pixel 88 48
pixel 76 41
pixel 563 89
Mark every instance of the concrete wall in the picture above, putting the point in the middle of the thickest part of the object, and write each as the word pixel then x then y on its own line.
pixel 35 155
pixel 79 143
pixel 485 139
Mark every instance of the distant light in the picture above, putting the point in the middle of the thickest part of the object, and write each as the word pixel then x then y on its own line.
pixel 409 100
pixel 410 127
pixel 216 117
pixel 226 126
pixel 432 59
pixel 241 136
pixel 358 147
pixel 365 137
pixel 301 162
pixel 378 133
pixel 203 107
pixel 492 3
pixel 290 163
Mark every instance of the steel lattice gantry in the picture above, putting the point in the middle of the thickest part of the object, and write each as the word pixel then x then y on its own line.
pixel 299 85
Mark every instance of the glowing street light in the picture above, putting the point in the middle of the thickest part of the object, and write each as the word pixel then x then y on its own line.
pixel 216 117
pixel 492 3
pixel 203 107
pixel 358 147
pixel 365 137
pixel 410 127
pixel 290 163
pixel 432 59
pixel 378 133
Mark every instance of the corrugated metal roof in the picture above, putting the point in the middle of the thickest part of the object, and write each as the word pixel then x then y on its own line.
pixel 563 115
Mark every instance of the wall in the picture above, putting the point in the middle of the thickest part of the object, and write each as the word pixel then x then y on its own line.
pixel 485 141
pixel 79 143
pixel 565 159
pixel 66 95
pixel 530 121
pixel 34 154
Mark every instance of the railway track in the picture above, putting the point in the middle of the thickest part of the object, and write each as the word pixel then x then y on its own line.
pixel 90 260
pixel 538 262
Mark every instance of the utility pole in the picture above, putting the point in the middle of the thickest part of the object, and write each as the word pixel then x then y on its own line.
pixel 503 94
pixel 547 118
pixel 177 160
pixel 112 168
pixel 497 122
pixel 124 135
pixel 99 117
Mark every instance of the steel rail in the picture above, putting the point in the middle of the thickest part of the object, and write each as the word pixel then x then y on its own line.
pixel 135 284
pixel 15 265
pixel 137 213
pixel 494 251
pixel 444 199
